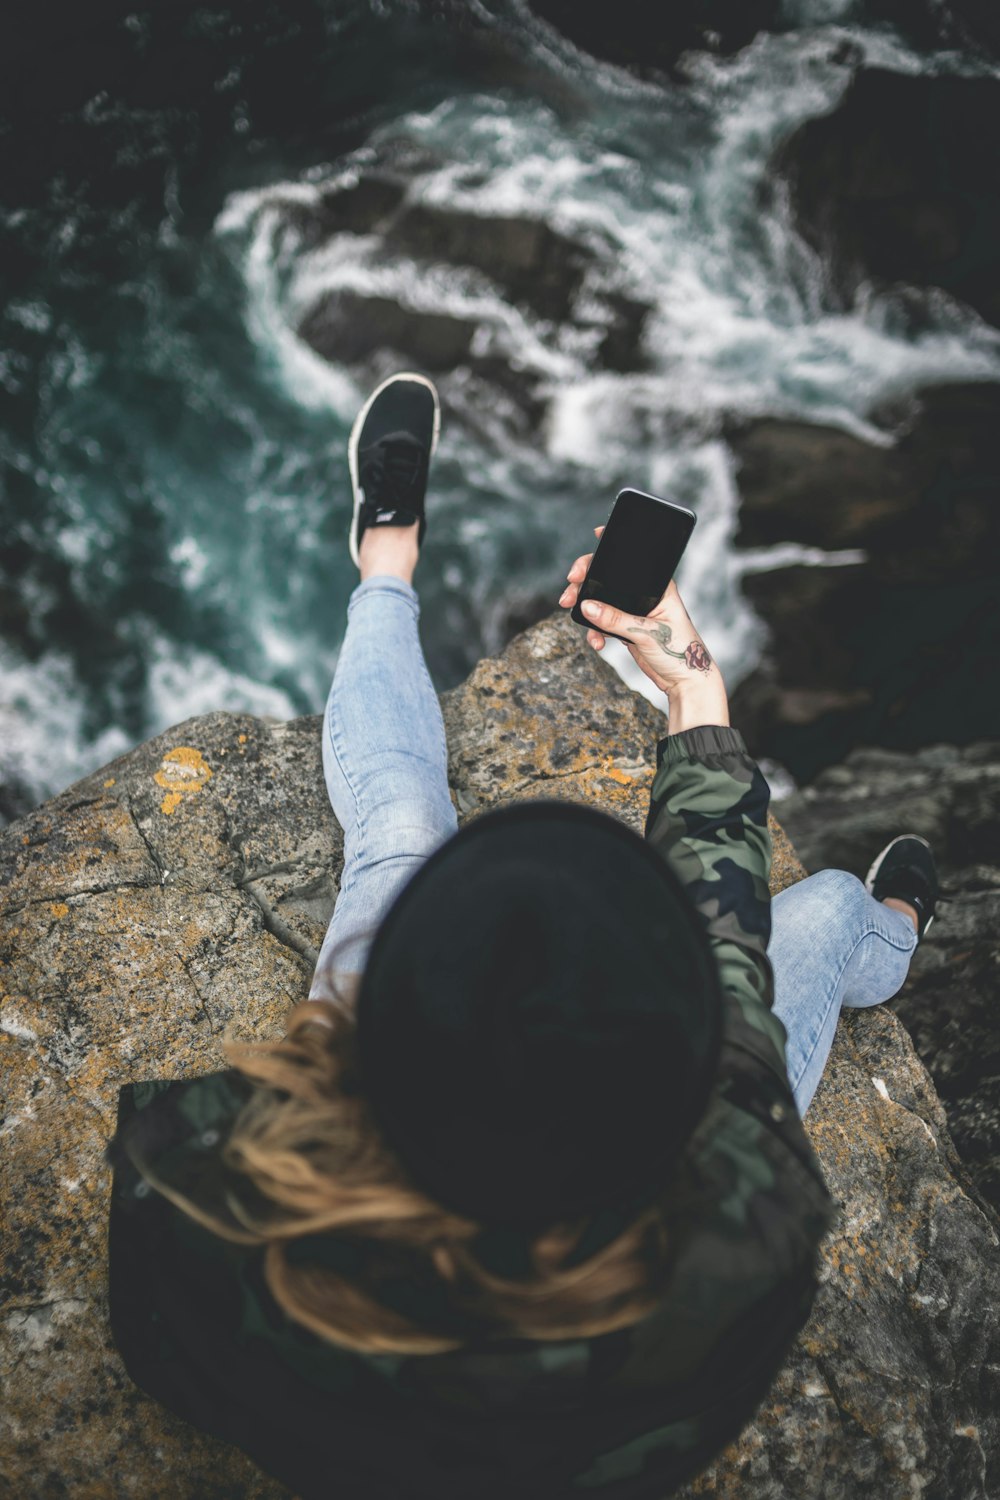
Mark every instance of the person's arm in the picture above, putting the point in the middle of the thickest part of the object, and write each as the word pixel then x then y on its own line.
pixel 708 806
pixel 697 703
pixel 708 819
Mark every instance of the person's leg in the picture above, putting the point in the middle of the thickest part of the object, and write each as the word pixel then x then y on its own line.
pixel 386 767
pixel 832 944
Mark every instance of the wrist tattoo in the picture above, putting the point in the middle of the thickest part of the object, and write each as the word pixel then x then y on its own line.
pixel 695 656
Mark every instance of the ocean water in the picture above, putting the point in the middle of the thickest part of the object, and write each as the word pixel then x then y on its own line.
pixel 176 496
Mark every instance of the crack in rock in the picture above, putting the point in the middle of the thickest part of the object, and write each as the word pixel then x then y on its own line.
pixel 279 928
pixel 158 864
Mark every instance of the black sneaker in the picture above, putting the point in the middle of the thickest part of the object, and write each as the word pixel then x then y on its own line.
pixel 392 441
pixel 906 869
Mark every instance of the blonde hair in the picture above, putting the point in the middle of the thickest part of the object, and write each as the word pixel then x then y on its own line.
pixel 316 1163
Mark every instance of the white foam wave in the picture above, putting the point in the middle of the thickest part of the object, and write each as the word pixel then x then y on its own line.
pixel 184 682
pixel 738 323
pixel 790 554
pixel 677 183
pixel 41 725
pixel 44 742
pixel 708 575
pixel 818 12
pixel 312 381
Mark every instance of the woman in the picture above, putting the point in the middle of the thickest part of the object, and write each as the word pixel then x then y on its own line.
pixel 522 1204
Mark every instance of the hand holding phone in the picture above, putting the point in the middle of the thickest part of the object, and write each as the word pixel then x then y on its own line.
pixel 637 555
pixel 662 639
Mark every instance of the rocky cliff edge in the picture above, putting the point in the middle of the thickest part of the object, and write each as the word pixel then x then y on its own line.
pixel 182 893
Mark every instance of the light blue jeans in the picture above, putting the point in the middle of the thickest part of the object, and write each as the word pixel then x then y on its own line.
pixel 386 766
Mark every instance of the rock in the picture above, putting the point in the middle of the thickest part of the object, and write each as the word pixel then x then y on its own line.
pixel 359 208
pixel 950 795
pixel 495 389
pixel 647 37
pixel 959 24
pixel 853 647
pixel 892 185
pixel 182 893
pixel 853 656
pixel 803 482
pixel 532 262
pixel 621 345
pixel 921 502
pixel 979 21
pixel 347 328
pixel 519 609
pixel 16 798
pixel 138 924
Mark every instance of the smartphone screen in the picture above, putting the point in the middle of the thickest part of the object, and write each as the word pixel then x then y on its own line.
pixel 637 554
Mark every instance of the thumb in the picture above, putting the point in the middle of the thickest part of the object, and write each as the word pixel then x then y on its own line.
pixel 606 617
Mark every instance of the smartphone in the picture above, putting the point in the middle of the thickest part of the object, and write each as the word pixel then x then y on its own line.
pixel 637 555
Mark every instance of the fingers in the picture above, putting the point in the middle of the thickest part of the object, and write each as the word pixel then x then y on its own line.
pixel 595 639
pixel 608 620
pixel 576 575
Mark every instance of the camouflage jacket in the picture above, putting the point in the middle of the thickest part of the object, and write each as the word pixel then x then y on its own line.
pixel 623 1416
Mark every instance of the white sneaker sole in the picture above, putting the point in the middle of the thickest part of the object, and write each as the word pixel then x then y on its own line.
pixel 872 875
pixel 352 445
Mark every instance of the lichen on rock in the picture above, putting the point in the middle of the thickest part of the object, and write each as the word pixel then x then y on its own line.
pixel 133 937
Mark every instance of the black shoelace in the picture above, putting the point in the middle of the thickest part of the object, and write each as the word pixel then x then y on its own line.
pixel 392 473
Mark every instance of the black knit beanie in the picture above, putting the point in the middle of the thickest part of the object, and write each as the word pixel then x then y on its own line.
pixel 540 1016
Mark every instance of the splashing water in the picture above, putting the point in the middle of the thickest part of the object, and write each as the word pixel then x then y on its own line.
pixel 185 498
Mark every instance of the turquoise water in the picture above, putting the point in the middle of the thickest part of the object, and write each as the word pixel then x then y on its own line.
pixel 177 499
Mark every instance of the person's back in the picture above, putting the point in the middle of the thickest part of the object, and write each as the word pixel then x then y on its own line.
pixel 522 1203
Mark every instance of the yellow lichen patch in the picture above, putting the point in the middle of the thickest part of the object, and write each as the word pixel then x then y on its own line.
pixel 614 774
pixel 59 909
pixel 110 781
pixel 182 771
pixel 241 739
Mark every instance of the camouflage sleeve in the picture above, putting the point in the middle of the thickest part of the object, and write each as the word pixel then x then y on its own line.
pixel 708 818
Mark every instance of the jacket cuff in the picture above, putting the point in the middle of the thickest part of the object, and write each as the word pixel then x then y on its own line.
pixel 711 743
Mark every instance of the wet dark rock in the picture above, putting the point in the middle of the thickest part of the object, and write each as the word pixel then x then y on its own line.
pixel 356 209
pixel 821 486
pixel 852 657
pixel 16 624
pixel 893 649
pixel 16 798
pixel 516 612
pixel 484 392
pixel 979 22
pixel 346 328
pixel 966 24
pixel 950 795
pixel 533 263
pixel 923 502
pixel 893 186
pixel 621 346
pixel 532 266
pixel 644 36
pixel 494 397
